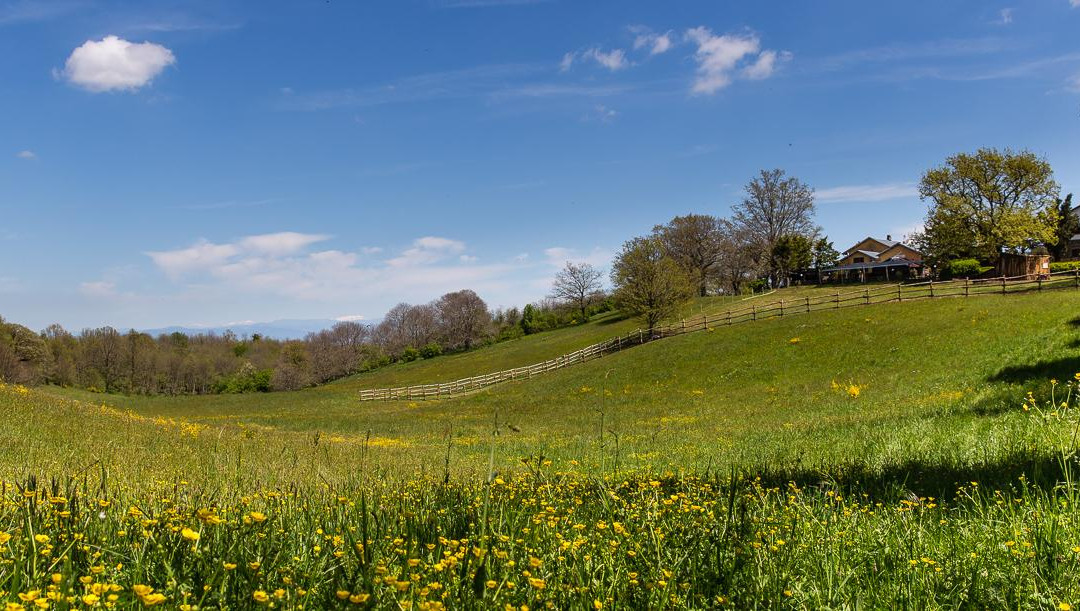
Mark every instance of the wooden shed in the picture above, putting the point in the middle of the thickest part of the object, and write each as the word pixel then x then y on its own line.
pixel 1028 266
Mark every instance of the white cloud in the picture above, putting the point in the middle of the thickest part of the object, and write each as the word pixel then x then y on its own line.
pixel 113 64
pixel 371 250
pixel 468 259
pixel 200 256
pixel 428 250
pixel 351 318
pixel 282 243
pixel 765 65
pixel 26 154
pixel 867 193
pixel 602 113
pixel 613 60
pixel 1006 15
pixel 567 61
pixel 1074 3
pixel 656 43
pixel 719 56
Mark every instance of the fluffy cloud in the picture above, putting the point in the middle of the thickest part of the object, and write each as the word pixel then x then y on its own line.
pixel 428 250
pixel 765 65
pixel 26 155
pixel 114 64
pixel 655 43
pixel 286 265
pixel 1074 3
pixel 719 57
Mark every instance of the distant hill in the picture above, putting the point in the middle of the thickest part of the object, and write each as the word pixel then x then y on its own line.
pixel 277 329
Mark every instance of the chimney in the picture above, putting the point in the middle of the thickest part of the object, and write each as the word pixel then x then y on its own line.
pixel 888 237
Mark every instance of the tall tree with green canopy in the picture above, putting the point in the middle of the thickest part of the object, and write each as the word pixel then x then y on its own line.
pixel 986 203
pixel 648 283
pixel 1068 225
pixel 696 243
pixel 823 254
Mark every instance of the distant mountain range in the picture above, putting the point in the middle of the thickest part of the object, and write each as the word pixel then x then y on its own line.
pixel 277 329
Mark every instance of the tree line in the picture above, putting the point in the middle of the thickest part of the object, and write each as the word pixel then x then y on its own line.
pixel 981 205
pixel 109 360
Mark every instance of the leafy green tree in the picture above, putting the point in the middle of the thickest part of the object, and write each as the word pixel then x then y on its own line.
pixel 985 203
pixel 823 255
pixel 648 283
pixel 1068 225
pixel 791 253
pixel 696 243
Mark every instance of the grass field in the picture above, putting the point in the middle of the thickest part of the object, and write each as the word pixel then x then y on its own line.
pixel 887 456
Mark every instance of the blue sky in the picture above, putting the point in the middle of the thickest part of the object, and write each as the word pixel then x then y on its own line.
pixel 211 162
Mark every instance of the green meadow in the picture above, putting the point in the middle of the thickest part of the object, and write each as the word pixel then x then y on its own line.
pixel 905 455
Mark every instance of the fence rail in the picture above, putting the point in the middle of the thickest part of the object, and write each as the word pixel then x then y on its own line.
pixel 754 312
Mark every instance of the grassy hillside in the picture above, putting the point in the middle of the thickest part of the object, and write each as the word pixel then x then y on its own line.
pixel 932 378
pixel 886 457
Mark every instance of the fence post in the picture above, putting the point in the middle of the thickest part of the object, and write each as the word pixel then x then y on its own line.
pixel 729 311
pixel 781 308
pixel 899 294
pixel 1076 273
pixel 1003 285
pixel 837 296
pixel 683 326
pixel 1039 279
pixel 755 312
pixel 866 296
pixel 931 288
pixel 639 336
pixel 808 304
pixel 706 322
pixel 967 283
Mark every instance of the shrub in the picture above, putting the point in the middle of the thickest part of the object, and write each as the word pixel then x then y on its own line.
pixel 1064 266
pixel 430 350
pixel 961 268
pixel 410 354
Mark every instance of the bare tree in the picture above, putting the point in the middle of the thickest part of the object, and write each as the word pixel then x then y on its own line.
pixel 695 242
pixel 464 319
pixel 577 284
pixel 738 261
pixel 648 283
pixel 775 206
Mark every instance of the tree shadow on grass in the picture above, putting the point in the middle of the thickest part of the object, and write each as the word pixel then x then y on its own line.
pixel 1060 369
pixel 921 478
pixel 1075 322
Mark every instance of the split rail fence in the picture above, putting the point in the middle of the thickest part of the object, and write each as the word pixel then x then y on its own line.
pixel 751 313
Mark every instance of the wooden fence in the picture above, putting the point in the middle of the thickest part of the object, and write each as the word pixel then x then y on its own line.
pixel 754 312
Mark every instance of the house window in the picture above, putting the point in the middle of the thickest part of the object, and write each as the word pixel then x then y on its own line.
pixel 858 260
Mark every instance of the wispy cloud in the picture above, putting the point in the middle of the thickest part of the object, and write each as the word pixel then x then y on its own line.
pixel 902 52
pixel 30 11
pixel 26 154
pixel 1073 83
pixel 478 81
pixel 867 193
pixel 1005 16
pixel 656 43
